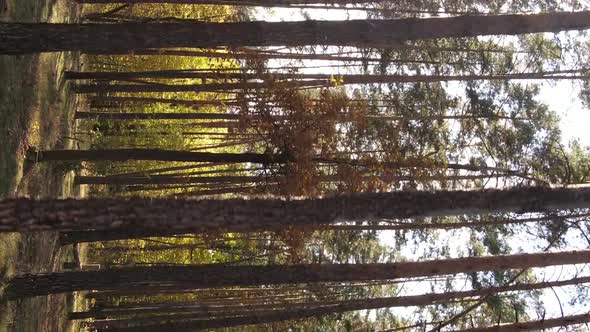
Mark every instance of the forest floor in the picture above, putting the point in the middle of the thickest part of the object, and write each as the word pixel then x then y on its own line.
pixel 36 109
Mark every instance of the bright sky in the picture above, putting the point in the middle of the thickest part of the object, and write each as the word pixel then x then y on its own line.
pixel 562 98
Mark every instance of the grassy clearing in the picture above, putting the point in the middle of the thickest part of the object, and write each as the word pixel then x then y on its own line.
pixel 16 73
pixel 35 105
pixel 37 109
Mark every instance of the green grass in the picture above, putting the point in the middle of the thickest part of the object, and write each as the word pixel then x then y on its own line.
pixel 13 117
pixel 37 109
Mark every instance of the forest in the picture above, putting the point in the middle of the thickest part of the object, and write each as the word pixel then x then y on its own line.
pixel 294 165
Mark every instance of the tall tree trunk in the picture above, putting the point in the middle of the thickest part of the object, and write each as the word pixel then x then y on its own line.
pixel 229 116
pixel 157 154
pixel 155 116
pixel 207 87
pixel 229 158
pixel 19 38
pixel 205 276
pixel 236 2
pixel 227 144
pixel 118 102
pixel 207 310
pixel 173 169
pixel 75 237
pixel 179 289
pixel 229 190
pixel 238 179
pixel 114 234
pixel 534 325
pixel 258 56
pixel 239 215
pixel 165 179
pixel 343 78
pixel 316 80
pixel 265 54
pixel 449 225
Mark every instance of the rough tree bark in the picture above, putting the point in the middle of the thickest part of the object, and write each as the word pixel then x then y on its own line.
pixel 20 38
pixel 206 276
pixel 240 215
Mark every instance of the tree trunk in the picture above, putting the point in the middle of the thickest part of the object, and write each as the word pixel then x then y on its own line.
pixel 448 225
pixel 343 78
pixel 172 169
pixel 157 154
pixel 264 3
pixel 114 234
pixel 303 310
pixel 20 38
pixel 239 215
pixel 165 179
pixel 206 276
pixel 229 116
pixel 179 289
pixel 534 325
pixel 256 56
pixel 208 87
pixel 155 116
pixel 417 163
pixel 220 191
pixel 265 54
pixel 320 307
pixel 315 80
pixel 230 158
pixel 117 102
pixel 180 178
